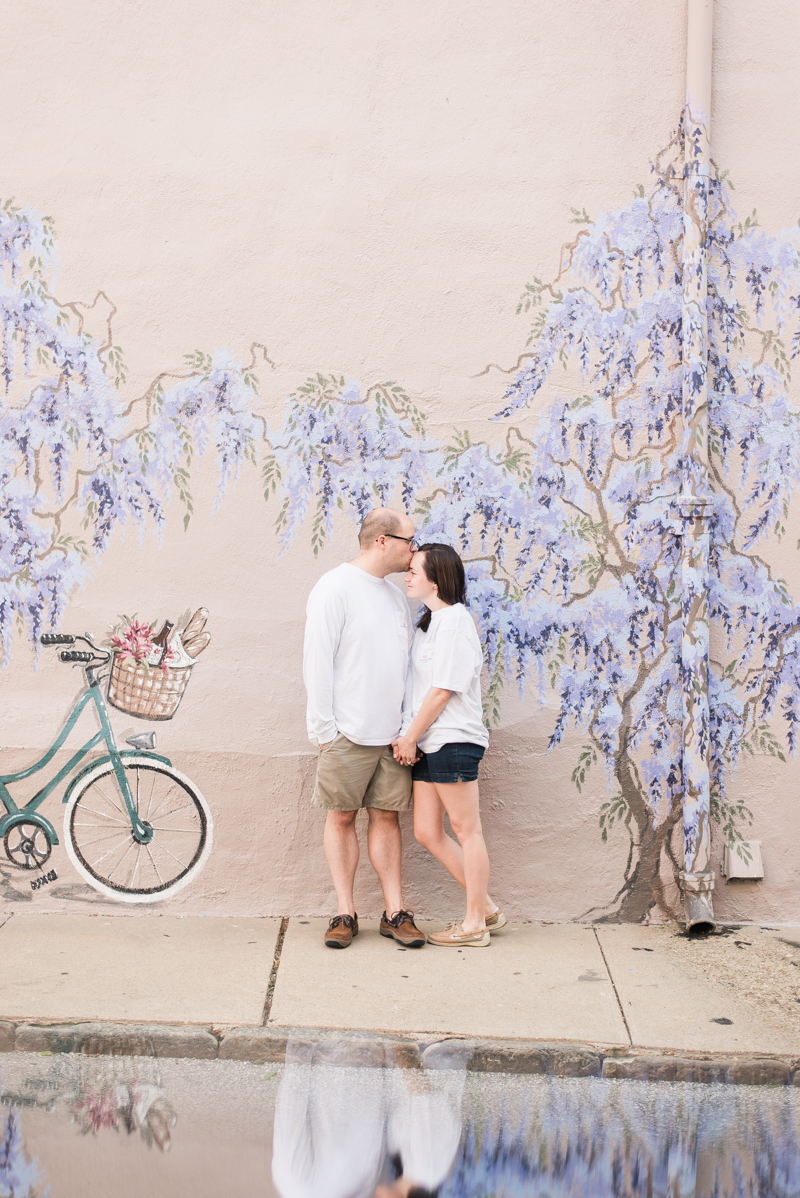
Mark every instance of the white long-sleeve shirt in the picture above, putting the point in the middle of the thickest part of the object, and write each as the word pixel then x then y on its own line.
pixel 356 657
pixel 328 1139
pixel 334 1123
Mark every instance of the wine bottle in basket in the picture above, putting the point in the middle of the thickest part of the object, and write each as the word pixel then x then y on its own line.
pixel 160 645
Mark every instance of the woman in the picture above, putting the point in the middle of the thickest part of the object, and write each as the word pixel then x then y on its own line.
pixel 443 720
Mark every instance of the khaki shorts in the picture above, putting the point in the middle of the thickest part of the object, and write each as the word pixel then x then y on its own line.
pixel 350 776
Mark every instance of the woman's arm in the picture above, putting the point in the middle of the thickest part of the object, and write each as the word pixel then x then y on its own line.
pixel 434 703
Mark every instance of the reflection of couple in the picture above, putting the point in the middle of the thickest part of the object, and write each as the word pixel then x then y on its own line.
pixel 388 704
pixel 344 1132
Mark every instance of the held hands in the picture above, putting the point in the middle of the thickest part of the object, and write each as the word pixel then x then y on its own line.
pixel 405 750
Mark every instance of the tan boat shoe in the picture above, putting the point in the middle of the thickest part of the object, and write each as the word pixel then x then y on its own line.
pixel 496 921
pixel 341 930
pixel 454 936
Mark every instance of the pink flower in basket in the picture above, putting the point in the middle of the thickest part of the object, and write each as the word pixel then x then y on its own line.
pixel 136 640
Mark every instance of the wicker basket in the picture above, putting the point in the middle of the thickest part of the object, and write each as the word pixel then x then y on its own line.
pixel 149 694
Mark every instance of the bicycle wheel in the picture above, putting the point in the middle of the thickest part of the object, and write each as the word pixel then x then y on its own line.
pixel 101 844
pixel 27 845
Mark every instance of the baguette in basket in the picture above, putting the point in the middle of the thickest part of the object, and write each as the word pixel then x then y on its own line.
pixel 152 691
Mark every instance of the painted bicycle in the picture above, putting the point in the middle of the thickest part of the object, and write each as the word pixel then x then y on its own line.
pixel 134 827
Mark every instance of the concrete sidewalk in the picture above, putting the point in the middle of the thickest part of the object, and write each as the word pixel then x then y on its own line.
pixel 617 987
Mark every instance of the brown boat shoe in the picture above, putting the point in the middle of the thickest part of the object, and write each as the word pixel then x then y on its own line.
pixel 341 930
pixel 401 927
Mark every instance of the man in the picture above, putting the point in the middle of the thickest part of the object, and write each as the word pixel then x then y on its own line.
pixel 343 1130
pixel 358 636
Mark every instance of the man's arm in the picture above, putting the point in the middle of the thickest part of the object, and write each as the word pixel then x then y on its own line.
pixel 325 615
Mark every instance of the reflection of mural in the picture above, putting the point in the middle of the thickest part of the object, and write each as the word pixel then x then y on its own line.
pixel 568 523
pixel 96 1095
pixel 130 1106
pixel 19 1176
pixel 590 1139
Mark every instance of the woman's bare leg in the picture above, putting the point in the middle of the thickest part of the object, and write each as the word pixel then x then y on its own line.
pixel 461 801
pixel 429 813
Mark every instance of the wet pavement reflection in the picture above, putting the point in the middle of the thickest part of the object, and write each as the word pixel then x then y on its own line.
pixel 345 1119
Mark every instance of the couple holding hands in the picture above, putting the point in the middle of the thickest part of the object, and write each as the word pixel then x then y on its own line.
pixel 390 705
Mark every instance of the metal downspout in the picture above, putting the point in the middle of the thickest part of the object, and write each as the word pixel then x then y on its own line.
pixel 696 500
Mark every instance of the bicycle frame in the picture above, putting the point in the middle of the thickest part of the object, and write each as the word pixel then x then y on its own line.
pixel 15 814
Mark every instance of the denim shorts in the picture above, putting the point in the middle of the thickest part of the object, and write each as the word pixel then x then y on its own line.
pixel 454 762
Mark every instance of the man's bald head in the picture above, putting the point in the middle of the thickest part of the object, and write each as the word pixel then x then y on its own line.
pixel 383 521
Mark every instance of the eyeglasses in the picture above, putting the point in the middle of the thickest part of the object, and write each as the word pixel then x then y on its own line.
pixel 410 541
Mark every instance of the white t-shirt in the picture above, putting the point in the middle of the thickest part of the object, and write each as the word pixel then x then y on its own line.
pixel 424 1114
pixel 355 658
pixel 449 656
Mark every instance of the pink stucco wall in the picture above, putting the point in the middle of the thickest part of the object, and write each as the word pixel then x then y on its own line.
pixel 363 188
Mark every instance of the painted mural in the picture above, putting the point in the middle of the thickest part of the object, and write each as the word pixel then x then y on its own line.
pixel 568 519
pixel 135 828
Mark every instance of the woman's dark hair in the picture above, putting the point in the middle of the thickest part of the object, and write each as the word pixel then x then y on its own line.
pixel 445 569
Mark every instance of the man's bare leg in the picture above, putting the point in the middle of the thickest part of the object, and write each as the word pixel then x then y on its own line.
pixel 386 855
pixel 341 850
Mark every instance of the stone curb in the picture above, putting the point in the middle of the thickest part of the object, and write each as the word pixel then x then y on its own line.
pixel 265 1045
pixel 118 1040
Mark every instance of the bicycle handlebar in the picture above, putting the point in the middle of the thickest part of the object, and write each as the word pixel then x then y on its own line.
pixel 94 657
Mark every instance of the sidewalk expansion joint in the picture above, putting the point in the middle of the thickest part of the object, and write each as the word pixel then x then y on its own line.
pixel 273 976
pixel 614 987
pixel 268 1045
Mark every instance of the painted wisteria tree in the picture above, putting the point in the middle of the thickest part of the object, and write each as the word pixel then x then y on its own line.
pixel 75 461
pixel 567 521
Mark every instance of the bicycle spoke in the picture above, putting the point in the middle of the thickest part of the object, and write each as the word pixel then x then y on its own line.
pixel 152 862
pixel 109 800
pixel 150 800
pixel 87 843
pixel 163 800
pixel 164 849
pixel 190 830
pixel 77 825
pixel 122 858
pixel 108 854
pixel 137 789
pixel 136 867
pixel 103 815
pixel 175 810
